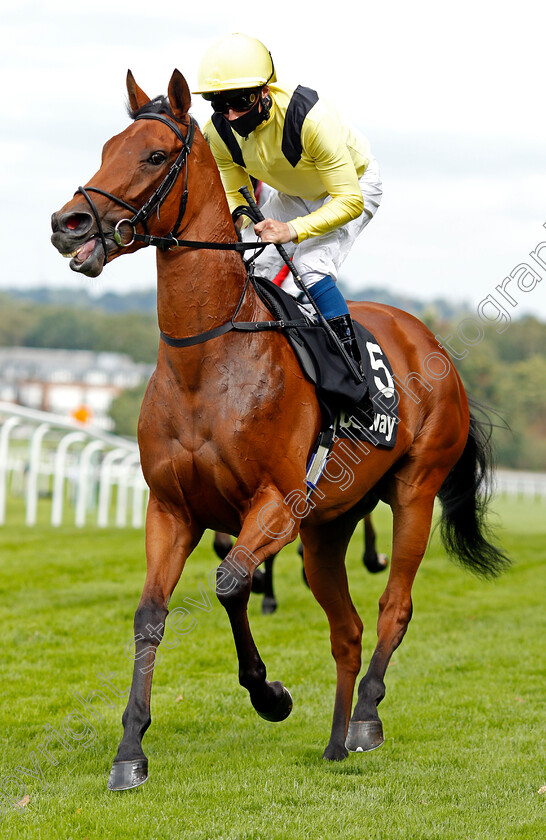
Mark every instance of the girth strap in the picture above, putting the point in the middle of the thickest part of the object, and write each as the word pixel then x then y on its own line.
pixel 232 324
pixel 238 326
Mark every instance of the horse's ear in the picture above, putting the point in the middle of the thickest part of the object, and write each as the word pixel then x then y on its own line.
pixel 137 97
pixel 179 95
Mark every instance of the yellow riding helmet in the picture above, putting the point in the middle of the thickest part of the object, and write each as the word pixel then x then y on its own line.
pixel 235 62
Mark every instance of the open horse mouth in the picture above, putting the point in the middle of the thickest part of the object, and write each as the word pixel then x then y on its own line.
pixel 73 239
pixel 80 255
pixel 88 258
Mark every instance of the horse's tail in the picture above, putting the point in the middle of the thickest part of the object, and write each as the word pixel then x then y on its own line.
pixel 465 496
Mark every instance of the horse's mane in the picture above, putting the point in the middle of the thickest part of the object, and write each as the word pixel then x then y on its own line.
pixel 158 105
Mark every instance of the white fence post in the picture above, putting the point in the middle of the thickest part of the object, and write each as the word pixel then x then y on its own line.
pixel 121 507
pixel 106 476
pixel 84 480
pixel 5 432
pixel 139 490
pixel 60 472
pixel 527 485
pixel 33 469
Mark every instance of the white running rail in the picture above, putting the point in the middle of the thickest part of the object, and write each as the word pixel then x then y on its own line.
pixel 80 467
pixel 72 465
pixel 523 485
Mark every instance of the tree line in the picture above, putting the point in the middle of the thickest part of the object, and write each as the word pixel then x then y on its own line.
pixel 505 371
pixel 26 323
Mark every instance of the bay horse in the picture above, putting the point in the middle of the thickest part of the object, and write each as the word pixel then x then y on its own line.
pixel 228 422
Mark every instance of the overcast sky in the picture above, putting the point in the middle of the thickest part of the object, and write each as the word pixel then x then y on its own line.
pixel 451 97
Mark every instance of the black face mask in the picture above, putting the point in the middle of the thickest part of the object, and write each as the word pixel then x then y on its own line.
pixel 252 119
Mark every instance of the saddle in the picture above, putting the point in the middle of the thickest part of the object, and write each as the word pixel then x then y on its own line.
pixel 366 410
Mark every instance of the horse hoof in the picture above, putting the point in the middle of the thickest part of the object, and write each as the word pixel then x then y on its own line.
pixel 364 735
pixel 382 561
pixel 335 753
pixel 125 775
pixel 375 563
pixel 269 605
pixel 281 710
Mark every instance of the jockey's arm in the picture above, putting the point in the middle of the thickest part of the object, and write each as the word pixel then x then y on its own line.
pixel 333 162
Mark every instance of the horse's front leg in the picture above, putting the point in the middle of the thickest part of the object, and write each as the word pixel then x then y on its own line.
pixel 169 541
pixel 267 528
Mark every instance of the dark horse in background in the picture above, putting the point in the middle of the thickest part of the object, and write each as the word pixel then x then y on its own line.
pixel 262 582
pixel 227 426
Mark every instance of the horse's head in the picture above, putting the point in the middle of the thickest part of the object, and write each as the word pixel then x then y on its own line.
pixel 139 167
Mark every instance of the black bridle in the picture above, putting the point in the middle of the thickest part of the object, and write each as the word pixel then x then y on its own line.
pixel 155 201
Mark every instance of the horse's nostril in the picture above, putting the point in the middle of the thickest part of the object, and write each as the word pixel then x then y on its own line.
pixel 77 222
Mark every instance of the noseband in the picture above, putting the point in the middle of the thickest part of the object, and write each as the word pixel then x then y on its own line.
pixel 155 200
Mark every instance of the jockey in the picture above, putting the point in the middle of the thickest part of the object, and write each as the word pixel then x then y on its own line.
pixel 326 183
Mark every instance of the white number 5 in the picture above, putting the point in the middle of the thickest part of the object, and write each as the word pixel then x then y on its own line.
pixel 374 351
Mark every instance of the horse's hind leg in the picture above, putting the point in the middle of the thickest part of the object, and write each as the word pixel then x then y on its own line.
pixel 169 541
pixel 222 544
pixel 269 603
pixel 373 561
pixel 412 510
pixel 325 549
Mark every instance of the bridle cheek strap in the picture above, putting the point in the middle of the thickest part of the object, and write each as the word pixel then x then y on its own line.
pixel 160 194
pixel 157 197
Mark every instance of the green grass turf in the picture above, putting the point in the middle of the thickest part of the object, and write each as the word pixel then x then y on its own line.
pixel 463 715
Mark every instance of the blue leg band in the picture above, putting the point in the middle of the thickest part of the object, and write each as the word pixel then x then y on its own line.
pixel 328 298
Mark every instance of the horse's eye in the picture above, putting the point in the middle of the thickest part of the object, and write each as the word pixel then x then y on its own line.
pixel 157 158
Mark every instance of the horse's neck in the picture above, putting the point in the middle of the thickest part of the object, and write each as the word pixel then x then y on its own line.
pixel 200 289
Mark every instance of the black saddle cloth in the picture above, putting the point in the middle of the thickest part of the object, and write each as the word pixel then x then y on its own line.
pixel 337 392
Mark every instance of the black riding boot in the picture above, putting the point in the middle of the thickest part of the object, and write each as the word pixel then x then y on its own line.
pixel 342 325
